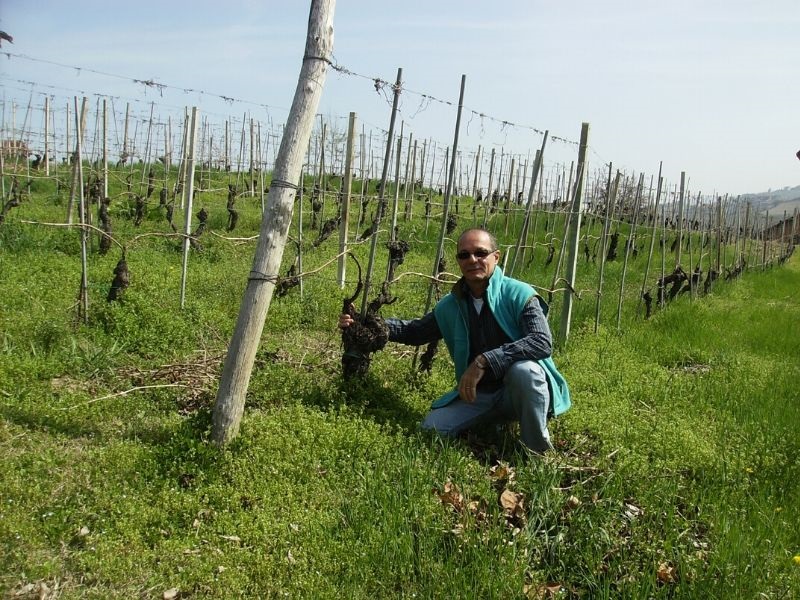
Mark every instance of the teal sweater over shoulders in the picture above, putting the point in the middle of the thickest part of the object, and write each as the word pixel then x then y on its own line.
pixel 505 297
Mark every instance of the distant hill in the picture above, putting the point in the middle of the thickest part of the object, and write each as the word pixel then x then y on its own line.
pixel 776 201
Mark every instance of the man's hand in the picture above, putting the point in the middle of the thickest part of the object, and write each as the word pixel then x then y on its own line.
pixel 345 320
pixel 468 386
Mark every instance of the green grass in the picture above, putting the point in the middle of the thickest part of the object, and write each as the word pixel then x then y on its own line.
pixel 676 474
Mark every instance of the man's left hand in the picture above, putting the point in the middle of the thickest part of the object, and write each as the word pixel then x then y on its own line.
pixel 468 386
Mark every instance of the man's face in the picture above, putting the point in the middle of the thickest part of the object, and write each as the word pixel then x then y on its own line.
pixel 475 256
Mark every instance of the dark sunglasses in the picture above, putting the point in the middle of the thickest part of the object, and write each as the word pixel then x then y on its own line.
pixel 479 253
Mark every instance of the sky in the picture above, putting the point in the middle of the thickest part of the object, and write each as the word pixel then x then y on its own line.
pixel 706 87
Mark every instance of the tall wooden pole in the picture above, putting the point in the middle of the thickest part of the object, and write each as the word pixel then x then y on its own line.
pixel 84 289
pixel 105 148
pixel 398 152
pixel 573 236
pixel 347 187
pixel 77 173
pixel 537 165
pixel 447 193
pixel 47 136
pixel 229 405
pixel 382 193
pixel 611 198
pixel 188 194
pixel 487 199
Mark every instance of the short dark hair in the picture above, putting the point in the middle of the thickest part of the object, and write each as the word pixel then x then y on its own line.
pixel 492 239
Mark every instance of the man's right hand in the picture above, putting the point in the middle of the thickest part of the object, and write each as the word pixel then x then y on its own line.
pixel 345 321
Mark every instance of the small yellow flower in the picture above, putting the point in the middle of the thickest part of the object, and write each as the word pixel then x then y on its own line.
pixel 749 470
pixel 796 559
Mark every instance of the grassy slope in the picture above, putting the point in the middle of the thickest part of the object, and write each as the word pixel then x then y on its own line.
pixel 678 459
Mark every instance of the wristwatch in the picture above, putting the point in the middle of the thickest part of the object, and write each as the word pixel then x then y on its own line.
pixel 481 362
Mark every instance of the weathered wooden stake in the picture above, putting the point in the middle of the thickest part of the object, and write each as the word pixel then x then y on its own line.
pixel 611 198
pixel 229 404
pixel 628 247
pixel 574 236
pixel 84 289
pixel 188 195
pixel 347 186
pixel 381 193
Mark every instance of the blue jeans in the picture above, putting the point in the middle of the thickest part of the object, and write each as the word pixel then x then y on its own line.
pixel 524 397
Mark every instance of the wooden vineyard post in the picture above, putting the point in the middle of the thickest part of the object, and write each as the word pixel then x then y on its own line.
pixel 77 175
pixel 229 405
pixel 83 297
pixel 396 200
pixel 574 236
pixel 630 246
pixel 509 191
pixel 537 165
pixel 719 235
pixel 124 155
pixel 447 194
pixel 347 187
pixel 681 202
pixel 381 193
pixel 410 201
pixel 611 198
pixel 487 199
pixel 188 193
pixel 105 148
pixel 653 235
pixel 47 135
pixel 475 181
pixel 251 185
pixel 406 206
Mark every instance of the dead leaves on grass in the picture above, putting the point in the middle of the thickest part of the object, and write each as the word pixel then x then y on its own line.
pixel 511 503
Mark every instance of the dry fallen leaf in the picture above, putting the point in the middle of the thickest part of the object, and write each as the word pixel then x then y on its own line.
pixel 573 502
pixel 631 511
pixel 543 591
pixel 502 472
pixel 231 538
pixel 171 594
pixel 666 573
pixel 512 502
pixel 452 496
pixel 83 531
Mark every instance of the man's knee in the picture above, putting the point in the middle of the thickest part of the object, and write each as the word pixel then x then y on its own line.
pixel 436 421
pixel 526 373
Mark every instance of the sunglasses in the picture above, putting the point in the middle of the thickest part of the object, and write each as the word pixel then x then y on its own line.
pixel 480 253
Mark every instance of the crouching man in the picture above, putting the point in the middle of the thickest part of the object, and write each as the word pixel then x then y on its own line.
pixel 498 337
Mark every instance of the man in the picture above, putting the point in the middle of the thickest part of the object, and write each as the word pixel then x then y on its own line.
pixel 498 337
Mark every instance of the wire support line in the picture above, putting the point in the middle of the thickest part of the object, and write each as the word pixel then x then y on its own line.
pixel 381 86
